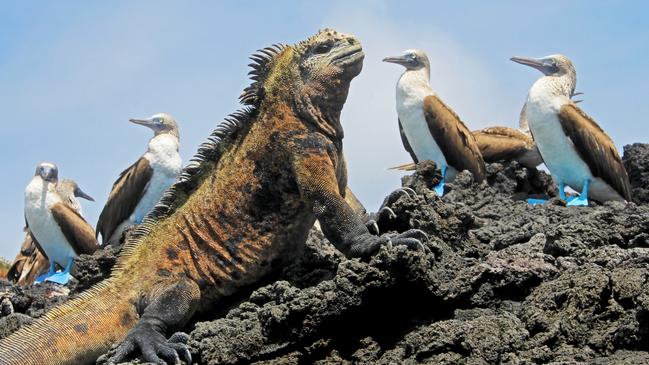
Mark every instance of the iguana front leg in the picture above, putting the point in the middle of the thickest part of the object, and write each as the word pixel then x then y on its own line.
pixel 167 308
pixel 316 177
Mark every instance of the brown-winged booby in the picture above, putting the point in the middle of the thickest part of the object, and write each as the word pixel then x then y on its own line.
pixel 430 130
pixel 139 188
pixel 59 231
pixel 30 261
pixel 577 152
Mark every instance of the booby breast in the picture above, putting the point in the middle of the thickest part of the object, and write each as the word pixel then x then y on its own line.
pixel 412 89
pixel 39 200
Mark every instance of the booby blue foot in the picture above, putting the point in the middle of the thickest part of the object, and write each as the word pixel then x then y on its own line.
pixel 41 278
pixel 439 188
pixel 532 201
pixel 59 278
pixel 62 277
pixel 582 199
pixel 577 201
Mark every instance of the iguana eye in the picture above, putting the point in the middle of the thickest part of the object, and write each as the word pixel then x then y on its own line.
pixel 323 48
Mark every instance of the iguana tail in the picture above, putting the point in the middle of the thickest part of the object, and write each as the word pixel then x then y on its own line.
pixel 76 332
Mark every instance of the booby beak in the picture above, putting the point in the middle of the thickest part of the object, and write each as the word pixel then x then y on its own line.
pixel 399 60
pixel 541 64
pixel 80 194
pixel 48 172
pixel 145 122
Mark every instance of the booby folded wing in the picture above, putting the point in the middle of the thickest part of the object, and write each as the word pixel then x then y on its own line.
pixel 29 262
pixel 595 147
pixel 502 143
pixel 454 139
pixel 406 144
pixel 76 230
pixel 124 197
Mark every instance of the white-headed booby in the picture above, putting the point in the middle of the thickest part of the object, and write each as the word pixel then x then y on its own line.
pixel 139 188
pixel 430 130
pixel 58 230
pixel 30 261
pixel 575 149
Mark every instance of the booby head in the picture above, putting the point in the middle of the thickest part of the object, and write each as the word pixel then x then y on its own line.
pixel 553 65
pixel 71 187
pixel 160 123
pixel 411 59
pixel 48 172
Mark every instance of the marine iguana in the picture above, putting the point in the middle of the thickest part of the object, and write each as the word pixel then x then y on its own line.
pixel 241 208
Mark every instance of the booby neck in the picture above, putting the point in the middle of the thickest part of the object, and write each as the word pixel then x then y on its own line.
pixel 415 83
pixel 550 88
pixel 164 145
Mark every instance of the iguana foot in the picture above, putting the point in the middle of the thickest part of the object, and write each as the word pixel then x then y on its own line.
pixel 385 212
pixel 368 245
pixel 412 238
pixel 395 195
pixel 373 227
pixel 153 345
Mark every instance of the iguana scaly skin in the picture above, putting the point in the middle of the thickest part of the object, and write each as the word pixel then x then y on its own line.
pixel 242 208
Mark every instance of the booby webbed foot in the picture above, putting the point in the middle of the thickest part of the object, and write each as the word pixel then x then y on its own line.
pixel 532 201
pixel 582 199
pixel 439 188
pixel 41 278
pixel 577 201
pixel 64 276
pixel 154 346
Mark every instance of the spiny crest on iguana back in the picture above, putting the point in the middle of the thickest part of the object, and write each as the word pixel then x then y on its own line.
pixel 277 70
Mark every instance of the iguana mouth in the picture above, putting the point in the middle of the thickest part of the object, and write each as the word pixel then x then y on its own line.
pixel 352 55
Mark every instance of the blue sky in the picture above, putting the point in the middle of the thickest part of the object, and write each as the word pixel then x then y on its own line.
pixel 72 74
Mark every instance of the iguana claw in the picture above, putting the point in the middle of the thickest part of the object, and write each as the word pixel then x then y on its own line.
pixel 387 213
pixel 373 227
pixel 154 347
pixel 412 239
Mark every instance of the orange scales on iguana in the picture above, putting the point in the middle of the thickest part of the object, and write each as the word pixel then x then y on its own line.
pixel 241 208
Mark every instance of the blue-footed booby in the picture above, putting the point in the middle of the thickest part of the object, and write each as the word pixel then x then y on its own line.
pixel 30 261
pixel 575 149
pixel 430 130
pixel 139 188
pixel 58 230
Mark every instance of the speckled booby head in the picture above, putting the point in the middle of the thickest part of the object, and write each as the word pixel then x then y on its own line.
pixel 48 172
pixel 160 123
pixel 553 65
pixel 411 59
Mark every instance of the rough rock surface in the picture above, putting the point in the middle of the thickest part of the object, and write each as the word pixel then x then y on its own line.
pixel 500 282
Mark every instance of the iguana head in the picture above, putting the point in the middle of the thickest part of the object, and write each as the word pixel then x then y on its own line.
pixel 312 77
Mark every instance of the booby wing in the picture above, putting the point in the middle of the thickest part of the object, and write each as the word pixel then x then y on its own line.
pixel 454 139
pixel 406 144
pixel 595 147
pixel 76 230
pixel 124 197
pixel 502 143
pixel 29 262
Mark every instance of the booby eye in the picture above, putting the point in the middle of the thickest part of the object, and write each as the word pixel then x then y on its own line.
pixel 323 48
